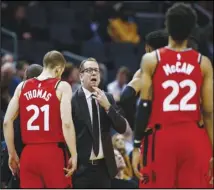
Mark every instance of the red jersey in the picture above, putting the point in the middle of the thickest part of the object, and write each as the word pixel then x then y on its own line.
pixel 40 117
pixel 176 87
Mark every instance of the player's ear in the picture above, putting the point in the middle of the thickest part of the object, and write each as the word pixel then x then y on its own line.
pixel 58 71
pixel 148 48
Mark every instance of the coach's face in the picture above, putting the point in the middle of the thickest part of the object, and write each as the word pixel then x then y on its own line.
pixel 90 75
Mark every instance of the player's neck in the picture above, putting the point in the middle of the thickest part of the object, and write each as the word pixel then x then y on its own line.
pixel 47 74
pixel 177 46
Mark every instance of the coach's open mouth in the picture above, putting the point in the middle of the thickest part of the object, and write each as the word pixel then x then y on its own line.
pixel 94 80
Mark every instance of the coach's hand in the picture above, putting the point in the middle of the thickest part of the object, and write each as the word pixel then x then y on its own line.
pixel 136 162
pixel 72 166
pixel 13 163
pixel 101 98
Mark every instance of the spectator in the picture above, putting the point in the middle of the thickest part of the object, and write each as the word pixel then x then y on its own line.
pixel 116 87
pixel 66 75
pixel 120 162
pixel 5 97
pixel 103 77
pixel 7 58
pixel 19 23
pixel 9 80
pixel 118 181
pixel 75 80
pixel 71 75
pixel 119 144
pixel 21 67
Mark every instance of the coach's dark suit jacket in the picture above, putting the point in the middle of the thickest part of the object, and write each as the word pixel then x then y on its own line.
pixel 83 127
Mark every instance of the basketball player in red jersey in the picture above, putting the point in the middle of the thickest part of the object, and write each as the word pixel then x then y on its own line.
pixel 153 41
pixel 46 123
pixel 177 79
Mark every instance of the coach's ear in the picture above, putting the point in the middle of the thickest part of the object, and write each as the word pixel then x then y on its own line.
pixel 81 77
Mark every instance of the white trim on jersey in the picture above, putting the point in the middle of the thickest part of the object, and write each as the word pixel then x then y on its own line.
pixel 158 54
pixel 57 84
pixel 199 58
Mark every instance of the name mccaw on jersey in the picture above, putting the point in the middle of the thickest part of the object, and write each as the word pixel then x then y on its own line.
pixel 178 68
pixel 39 93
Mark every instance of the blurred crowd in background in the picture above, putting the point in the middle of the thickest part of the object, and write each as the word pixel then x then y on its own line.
pixel 112 32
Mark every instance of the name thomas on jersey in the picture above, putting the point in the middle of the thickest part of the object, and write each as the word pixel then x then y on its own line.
pixel 38 93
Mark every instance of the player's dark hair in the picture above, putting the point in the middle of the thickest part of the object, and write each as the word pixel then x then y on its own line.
pixel 33 70
pixel 157 39
pixel 180 21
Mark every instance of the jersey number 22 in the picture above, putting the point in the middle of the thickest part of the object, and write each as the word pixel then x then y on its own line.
pixel 183 105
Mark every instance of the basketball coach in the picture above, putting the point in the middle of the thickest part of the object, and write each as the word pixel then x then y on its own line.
pixel 94 114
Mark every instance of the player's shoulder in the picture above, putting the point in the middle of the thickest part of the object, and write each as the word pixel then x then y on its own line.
pixel 206 65
pixel 149 60
pixel 19 89
pixel 20 85
pixel 63 86
pixel 149 56
pixel 205 59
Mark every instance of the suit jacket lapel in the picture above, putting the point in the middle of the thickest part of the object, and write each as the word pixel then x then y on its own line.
pixel 84 109
pixel 102 114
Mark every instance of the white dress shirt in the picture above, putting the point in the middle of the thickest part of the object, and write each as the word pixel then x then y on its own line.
pixel 88 99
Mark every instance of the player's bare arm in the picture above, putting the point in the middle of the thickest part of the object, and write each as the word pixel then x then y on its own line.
pixel 137 74
pixel 135 83
pixel 64 89
pixel 207 102
pixel 206 96
pixel 148 65
pixel 11 114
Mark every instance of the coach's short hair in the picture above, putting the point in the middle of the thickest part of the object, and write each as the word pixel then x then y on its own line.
pixel 81 67
pixel 53 59
pixel 157 39
pixel 180 21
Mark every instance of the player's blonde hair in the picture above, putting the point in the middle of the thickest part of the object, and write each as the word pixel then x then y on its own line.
pixel 53 59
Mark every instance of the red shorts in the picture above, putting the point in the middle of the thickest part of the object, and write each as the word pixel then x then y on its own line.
pixel 177 157
pixel 41 166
